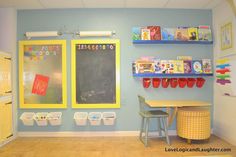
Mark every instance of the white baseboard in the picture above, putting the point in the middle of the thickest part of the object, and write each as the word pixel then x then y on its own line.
pixel 88 134
pixel 222 135
pixel 7 141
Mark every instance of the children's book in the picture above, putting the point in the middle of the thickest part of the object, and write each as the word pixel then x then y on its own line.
pixel 145 34
pixel 204 33
pixel 181 33
pixel 134 68
pixel 184 57
pixel 136 33
pixel 145 66
pixel 168 33
pixel 178 66
pixel 157 63
pixel 193 33
pixel 197 66
pixel 206 66
pixel 155 32
pixel 187 66
pixel 167 66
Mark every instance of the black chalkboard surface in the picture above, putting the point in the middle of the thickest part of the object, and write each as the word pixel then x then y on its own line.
pixel 95 73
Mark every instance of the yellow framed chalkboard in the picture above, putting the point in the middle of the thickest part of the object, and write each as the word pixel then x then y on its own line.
pixel 42 74
pixel 95 73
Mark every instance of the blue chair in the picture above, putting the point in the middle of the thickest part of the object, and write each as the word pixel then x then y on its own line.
pixel 146 115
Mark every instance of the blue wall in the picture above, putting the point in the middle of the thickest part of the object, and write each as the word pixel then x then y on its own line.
pixel 122 21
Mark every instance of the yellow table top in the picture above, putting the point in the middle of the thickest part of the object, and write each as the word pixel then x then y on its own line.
pixel 176 103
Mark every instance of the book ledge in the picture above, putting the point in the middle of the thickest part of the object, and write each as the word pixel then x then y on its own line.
pixel 171 42
pixel 171 75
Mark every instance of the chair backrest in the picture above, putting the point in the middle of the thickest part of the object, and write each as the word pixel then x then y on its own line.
pixel 142 103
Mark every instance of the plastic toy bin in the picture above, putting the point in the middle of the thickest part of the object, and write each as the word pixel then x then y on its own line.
pixel 54 118
pixel 81 118
pixel 108 118
pixel 27 118
pixel 146 82
pixel 95 118
pixel 156 82
pixel 41 118
pixel 165 82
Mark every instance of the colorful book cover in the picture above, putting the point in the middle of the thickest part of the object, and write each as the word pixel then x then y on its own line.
pixel 170 66
pixel 184 58
pixel 167 66
pixel 181 33
pixel 193 33
pixel 145 66
pixel 204 33
pixel 197 66
pixel 40 85
pixel 168 33
pixel 145 34
pixel 187 66
pixel 136 33
pixel 178 66
pixel 157 63
pixel 206 66
pixel 155 32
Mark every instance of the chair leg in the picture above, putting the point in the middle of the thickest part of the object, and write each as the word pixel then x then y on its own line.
pixel 141 129
pixel 159 126
pixel 146 132
pixel 164 120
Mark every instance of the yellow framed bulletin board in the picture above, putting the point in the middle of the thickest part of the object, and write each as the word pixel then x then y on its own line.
pixel 226 36
pixel 42 74
pixel 95 73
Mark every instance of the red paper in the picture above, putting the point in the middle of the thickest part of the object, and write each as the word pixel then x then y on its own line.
pixel 40 85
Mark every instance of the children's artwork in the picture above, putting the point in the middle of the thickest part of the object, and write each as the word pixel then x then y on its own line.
pixel 42 74
pixel 145 34
pixel 187 66
pixel 206 66
pixel 40 85
pixel 193 33
pixel 204 33
pixel 167 66
pixel 226 36
pixel 155 32
pixel 95 73
pixel 197 66
pixel 168 33
pixel 181 34
pixel 178 66
pixel 136 33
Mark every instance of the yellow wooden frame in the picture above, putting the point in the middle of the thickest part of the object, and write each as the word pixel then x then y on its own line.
pixel 73 73
pixel 21 66
pixel 225 27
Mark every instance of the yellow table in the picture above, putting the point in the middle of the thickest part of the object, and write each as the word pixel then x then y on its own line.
pixel 175 104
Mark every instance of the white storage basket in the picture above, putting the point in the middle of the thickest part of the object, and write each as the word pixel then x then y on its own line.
pixel 95 118
pixel 41 118
pixel 81 118
pixel 27 118
pixel 109 118
pixel 54 118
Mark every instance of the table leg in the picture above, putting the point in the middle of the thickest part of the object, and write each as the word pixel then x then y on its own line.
pixel 171 115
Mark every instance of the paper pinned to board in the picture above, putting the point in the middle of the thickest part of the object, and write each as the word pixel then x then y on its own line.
pixel 40 85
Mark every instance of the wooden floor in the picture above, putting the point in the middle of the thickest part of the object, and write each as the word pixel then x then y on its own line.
pixel 107 147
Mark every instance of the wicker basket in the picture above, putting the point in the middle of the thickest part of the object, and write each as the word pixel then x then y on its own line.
pixel 193 123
